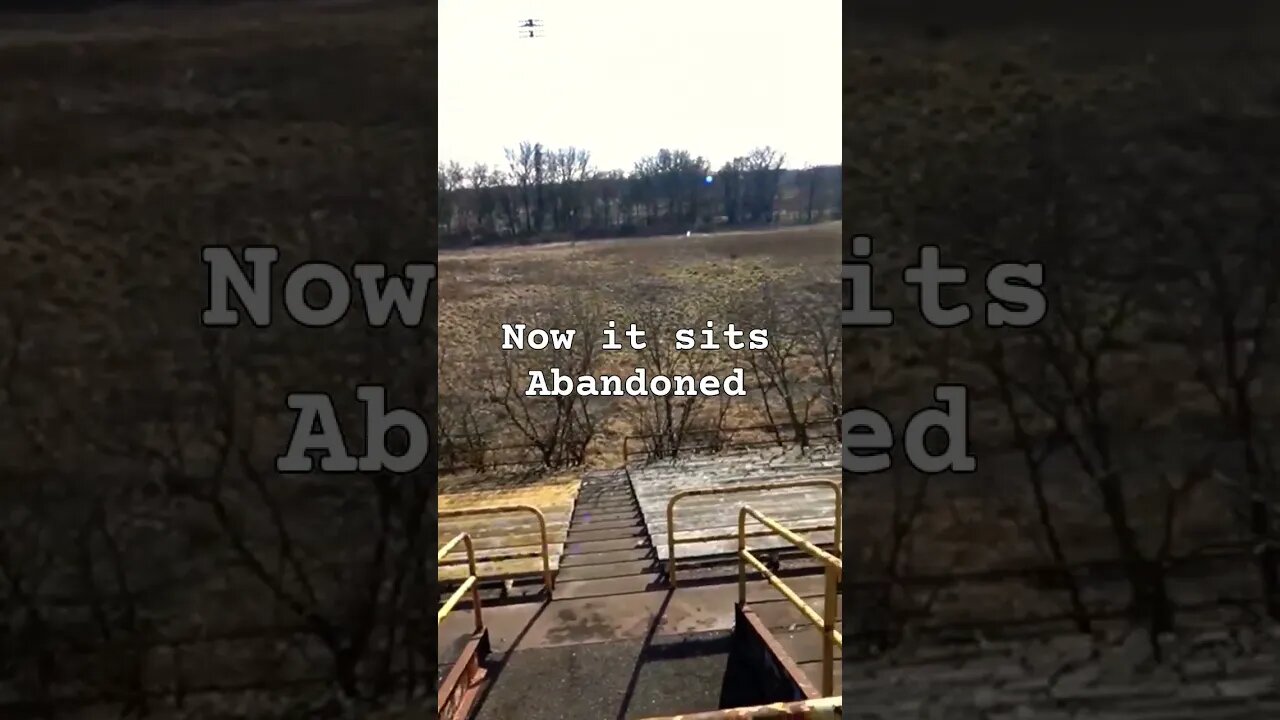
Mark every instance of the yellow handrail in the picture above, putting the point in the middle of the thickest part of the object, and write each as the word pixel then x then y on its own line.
pixel 469 584
pixel 828 708
pixel 833 568
pixel 758 487
pixel 547 578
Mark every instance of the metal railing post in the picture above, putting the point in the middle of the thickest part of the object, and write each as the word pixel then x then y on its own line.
pixel 671 538
pixel 547 579
pixel 837 546
pixel 832 568
pixel 475 586
pixel 828 628
pixel 742 559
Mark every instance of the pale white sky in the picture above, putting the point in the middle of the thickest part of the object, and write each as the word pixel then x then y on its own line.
pixel 624 79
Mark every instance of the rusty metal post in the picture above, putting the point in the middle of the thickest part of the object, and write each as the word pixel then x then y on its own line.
pixel 837 549
pixel 671 538
pixel 475 586
pixel 546 555
pixel 828 630
pixel 742 559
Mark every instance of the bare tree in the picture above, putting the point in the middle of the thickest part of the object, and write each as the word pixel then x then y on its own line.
pixel 449 181
pixel 562 426
pixel 785 368
pixel 882 606
pixel 818 318
pixel 557 190
pixel 1236 289
pixel 482 182
pixel 1079 371
pixel 570 168
pixel 1036 447
pixel 811 187
pixel 464 431
pixel 524 165
pixel 667 420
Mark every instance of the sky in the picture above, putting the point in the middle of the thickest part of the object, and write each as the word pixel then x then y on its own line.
pixel 623 79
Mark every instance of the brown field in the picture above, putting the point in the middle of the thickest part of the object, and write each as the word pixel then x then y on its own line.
pixel 657 283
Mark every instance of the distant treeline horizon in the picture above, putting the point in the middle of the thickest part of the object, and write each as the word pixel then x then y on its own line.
pixel 546 194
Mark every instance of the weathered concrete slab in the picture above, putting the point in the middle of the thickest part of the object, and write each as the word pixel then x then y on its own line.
pixel 813 671
pixel 680 675
pixel 804 644
pixel 562 682
pixel 593 620
pixel 810 510
pixel 504 622
pixel 780 613
pixel 710 607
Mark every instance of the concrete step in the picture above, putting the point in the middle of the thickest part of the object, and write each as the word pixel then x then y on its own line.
pixel 605 570
pixel 581 535
pixel 598 546
pixel 595 517
pixel 606 507
pixel 602 587
pixel 591 523
pixel 621 492
pixel 607 557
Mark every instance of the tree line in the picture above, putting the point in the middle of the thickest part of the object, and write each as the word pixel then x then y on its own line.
pixel 556 193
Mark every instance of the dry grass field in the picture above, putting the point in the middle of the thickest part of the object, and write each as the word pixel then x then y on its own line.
pixel 784 281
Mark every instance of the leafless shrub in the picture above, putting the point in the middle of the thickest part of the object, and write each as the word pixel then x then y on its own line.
pixel 668 420
pixel 1225 277
pixel 562 426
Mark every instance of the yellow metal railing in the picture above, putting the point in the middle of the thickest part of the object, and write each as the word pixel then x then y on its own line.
pixel 826 620
pixel 470 584
pixel 547 578
pixel 828 708
pixel 759 487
